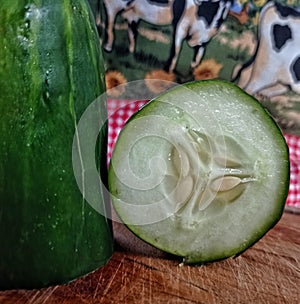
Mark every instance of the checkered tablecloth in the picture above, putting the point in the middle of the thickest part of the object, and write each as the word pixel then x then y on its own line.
pixel 120 110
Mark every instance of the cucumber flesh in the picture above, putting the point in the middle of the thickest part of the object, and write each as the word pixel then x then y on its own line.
pixel 201 171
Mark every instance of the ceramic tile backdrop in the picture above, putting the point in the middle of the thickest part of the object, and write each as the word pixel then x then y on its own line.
pixel 255 44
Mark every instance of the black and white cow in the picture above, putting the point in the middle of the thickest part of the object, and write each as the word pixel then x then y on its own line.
pixel 112 8
pixel 196 21
pixel 275 66
pixel 158 12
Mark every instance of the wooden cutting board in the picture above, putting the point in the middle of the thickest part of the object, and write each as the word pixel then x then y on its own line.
pixel 269 272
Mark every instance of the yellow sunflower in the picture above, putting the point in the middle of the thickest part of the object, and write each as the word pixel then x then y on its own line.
pixel 158 81
pixel 259 3
pixel 207 69
pixel 115 83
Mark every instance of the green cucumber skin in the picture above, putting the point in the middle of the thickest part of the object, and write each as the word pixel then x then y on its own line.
pixel 51 69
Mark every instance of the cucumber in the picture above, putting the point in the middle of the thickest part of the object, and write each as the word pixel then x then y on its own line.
pixel 201 172
pixel 51 70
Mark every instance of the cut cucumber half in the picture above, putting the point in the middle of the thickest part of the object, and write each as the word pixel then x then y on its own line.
pixel 201 171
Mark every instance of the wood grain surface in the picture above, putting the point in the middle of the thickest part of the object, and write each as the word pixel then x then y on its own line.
pixel 268 272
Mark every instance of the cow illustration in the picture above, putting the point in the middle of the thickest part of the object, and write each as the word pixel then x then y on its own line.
pixel 275 66
pixel 196 21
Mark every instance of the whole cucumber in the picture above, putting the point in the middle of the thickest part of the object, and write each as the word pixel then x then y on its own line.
pixel 51 69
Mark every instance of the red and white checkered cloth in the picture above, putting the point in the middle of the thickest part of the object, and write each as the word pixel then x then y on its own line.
pixel 120 110
pixel 293 199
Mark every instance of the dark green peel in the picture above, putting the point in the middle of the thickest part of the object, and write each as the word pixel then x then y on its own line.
pixel 51 69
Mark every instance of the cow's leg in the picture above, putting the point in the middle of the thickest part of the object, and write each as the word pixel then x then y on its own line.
pixel 244 76
pixel 98 19
pixel 262 77
pixel 198 54
pixel 109 39
pixel 132 34
pixel 256 85
pixel 98 14
pixel 273 91
pixel 174 55
pixel 179 35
